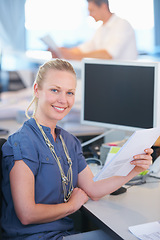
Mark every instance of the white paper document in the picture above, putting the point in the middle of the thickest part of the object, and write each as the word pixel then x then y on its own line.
pixel 51 44
pixel 120 165
pixel 147 231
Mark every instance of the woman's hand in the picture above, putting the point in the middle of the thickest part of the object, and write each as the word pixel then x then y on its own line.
pixel 78 198
pixel 142 161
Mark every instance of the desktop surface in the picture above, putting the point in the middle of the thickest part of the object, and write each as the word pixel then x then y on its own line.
pixel 74 128
pixel 140 204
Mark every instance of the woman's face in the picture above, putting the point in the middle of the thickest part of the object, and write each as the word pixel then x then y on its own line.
pixel 56 96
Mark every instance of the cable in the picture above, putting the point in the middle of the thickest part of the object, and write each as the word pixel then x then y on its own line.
pixel 96 138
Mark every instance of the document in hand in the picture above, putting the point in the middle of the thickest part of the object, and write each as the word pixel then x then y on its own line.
pixel 120 165
pixel 51 44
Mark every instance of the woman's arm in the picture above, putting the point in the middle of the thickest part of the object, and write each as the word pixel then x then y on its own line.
pixel 23 194
pixel 98 189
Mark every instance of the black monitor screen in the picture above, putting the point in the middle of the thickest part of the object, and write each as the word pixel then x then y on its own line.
pixel 119 94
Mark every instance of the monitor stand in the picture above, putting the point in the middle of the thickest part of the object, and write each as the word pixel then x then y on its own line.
pixel 97 137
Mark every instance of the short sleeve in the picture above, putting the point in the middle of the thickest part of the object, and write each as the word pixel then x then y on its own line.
pixel 20 147
pixel 81 159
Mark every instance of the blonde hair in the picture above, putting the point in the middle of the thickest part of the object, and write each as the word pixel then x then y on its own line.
pixel 56 64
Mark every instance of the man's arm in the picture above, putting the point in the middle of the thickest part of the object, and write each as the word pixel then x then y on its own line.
pixel 77 54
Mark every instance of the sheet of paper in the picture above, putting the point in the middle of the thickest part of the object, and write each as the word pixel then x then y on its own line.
pixel 113 151
pixel 51 44
pixel 147 231
pixel 120 165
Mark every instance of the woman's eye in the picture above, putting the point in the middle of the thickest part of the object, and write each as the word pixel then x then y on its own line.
pixel 70 93
pixel 54 90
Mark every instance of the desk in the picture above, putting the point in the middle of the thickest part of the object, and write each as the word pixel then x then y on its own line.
pixel 10 125
pixel 26 64
pixel 140 204
pixel 74 128
pixel 14 104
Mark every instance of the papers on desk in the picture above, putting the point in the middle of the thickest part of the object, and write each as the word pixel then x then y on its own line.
pixel 120 165
pixel 147 231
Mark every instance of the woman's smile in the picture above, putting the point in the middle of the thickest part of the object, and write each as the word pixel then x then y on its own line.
pixel 59 109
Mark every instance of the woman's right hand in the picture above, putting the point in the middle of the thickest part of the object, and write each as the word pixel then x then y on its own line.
pixel 78 198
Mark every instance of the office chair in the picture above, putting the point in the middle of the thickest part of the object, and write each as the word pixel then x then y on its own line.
pixel 2 141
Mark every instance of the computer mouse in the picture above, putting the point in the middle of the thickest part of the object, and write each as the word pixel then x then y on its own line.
pixel 119 191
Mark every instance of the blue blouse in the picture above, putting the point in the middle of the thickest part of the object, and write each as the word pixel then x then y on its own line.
pixel 28 144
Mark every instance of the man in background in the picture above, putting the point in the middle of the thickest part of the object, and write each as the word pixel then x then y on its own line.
pixel 114 39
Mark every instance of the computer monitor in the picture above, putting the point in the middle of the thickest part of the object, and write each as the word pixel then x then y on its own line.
pixel 121 95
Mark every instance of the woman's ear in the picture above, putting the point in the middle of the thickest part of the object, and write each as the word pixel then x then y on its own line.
pixel 36 90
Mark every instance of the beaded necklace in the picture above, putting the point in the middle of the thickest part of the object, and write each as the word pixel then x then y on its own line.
pixel 65 179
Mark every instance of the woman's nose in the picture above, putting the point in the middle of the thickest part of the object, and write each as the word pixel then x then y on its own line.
pixel 62 98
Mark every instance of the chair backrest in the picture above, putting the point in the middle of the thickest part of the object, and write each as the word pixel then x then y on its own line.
pixel 2 141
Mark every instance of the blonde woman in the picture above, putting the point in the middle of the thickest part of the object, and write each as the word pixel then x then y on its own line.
pixel 46 177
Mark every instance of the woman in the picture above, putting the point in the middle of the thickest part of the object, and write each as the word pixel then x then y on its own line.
pixel 46 177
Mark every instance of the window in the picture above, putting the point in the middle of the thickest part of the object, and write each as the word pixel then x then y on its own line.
pixel 141 16
pixel 64 20
pixel 69 24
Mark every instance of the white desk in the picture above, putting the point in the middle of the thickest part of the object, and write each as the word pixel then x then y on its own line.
pixel 14 104
pixel 140 204
pixel 10 125
pixel 75 128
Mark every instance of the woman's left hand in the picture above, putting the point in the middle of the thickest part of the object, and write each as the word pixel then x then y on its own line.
pixel 142 161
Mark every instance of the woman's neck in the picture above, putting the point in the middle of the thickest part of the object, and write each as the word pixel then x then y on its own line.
pixel 46 123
